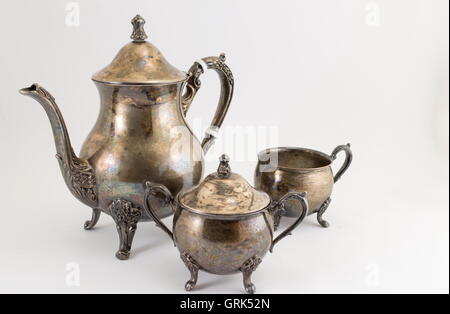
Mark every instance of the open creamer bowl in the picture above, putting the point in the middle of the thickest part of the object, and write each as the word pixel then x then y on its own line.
pixel 291 169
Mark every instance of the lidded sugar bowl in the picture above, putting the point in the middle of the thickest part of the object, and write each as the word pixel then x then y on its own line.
pixel 223 225
pixel 140 134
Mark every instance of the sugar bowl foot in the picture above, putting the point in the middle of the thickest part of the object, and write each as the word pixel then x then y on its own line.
pixel 193 267
pixel 321 211
pixel 126 216
pixel 247 269
pixel 90 224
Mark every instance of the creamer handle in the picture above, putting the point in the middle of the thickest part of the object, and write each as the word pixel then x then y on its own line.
pixel 347 162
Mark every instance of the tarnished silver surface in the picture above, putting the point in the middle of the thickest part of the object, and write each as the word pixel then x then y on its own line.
pixel 140 134
pixel 224 193
pixel 290 169
pixel 221 242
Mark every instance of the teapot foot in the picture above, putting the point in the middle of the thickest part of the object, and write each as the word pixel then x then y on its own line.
pixel 123 255
pixel 126 235
pixel 126 216
pixel 90 224
pixel 247 270
pixel 321 211
pixel 193 267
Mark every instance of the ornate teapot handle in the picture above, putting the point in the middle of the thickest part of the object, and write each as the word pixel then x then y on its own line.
pixel 226 93
pixel 279 205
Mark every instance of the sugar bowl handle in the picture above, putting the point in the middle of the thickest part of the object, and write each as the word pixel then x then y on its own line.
pixel 278 205
pixel 193 84
pixel 153 189
pixel 347 162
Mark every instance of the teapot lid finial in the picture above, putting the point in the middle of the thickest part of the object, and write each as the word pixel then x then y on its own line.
pixel 138 34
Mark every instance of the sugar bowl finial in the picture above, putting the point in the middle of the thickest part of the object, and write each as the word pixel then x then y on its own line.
pixel 138 34
pixel 224 170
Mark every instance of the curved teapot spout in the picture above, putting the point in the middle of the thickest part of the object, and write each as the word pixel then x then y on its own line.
pixel 78 174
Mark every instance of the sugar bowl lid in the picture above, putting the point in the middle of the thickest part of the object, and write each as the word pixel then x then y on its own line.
pixel 224 193
pixel 139 63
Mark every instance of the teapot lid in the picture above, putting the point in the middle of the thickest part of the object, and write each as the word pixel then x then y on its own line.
pixel 139 63
pixel 224 193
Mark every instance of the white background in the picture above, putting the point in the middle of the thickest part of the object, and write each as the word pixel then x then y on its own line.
pixel 308 73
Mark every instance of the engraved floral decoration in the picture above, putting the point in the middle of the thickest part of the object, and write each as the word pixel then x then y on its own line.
pixel 124 212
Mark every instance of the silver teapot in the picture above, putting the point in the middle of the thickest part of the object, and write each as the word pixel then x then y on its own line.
pixel 140 134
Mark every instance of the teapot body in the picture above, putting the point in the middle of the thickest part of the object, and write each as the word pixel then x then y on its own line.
pixel 141 133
